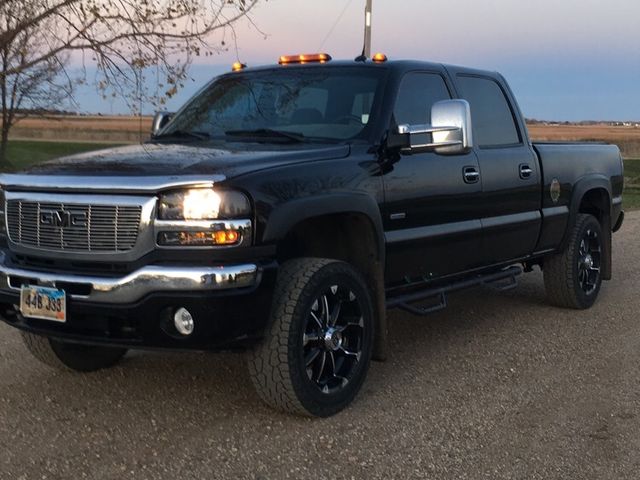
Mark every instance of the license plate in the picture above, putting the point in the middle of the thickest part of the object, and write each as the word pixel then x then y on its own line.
pixel 43 303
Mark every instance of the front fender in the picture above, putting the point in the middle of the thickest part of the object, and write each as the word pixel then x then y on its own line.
pixel 286 216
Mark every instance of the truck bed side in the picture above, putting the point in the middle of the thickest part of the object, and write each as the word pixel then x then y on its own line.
pixel 573 170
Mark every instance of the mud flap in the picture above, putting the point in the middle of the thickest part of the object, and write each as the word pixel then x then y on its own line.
pixel 377 288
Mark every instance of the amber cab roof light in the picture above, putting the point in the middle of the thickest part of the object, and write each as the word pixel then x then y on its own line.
pixel 305 58
pixel 379 57
pixel 236 67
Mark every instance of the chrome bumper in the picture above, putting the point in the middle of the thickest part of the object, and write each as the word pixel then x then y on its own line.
pixel 134 286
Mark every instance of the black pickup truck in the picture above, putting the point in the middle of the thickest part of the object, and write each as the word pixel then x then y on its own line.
pixel 283 210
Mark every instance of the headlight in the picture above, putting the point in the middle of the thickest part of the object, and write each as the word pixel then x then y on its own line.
pixel 203 204
pixel 201 217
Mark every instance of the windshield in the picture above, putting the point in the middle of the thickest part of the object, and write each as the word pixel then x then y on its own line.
pixel 291 104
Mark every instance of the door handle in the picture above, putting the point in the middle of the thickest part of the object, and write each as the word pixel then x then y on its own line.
pixel 470 174
pixel 525 171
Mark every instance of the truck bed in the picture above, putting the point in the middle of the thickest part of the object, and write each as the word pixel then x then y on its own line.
pixel 568 162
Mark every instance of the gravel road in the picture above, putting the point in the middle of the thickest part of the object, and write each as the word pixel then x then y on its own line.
pixel 499 385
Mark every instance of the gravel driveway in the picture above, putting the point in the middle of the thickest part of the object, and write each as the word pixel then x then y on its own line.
pixel 499 385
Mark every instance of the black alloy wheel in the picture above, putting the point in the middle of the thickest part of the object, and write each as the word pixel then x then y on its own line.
pixel 573 277
pixel 589 261
pixel 333 338
pixel 316 353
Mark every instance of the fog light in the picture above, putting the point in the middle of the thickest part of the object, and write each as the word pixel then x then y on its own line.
pixel 183 320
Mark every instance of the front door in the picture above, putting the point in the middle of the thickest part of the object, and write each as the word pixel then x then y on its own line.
pixel 431 214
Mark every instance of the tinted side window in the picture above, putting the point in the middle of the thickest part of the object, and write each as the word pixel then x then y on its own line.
pixel 418 92
pixel 491 114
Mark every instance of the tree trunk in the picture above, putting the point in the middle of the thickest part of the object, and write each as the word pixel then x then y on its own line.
pixel 4 143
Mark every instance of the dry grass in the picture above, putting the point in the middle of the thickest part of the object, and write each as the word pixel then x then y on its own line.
pixel 94 129
pixel 114 123
pixel 579 132
pixel 627 138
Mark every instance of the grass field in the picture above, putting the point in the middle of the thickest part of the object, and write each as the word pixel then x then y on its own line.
pixel 626 138
pixel 631 196
pixel 117 129
pixel 23 153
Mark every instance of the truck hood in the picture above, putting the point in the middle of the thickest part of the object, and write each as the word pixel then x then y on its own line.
pixel 171 160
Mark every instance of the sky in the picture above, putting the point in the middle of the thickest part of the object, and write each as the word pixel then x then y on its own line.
pixel 564 59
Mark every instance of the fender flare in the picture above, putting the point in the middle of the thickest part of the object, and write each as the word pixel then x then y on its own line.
pixel 580 189
pixel 286 216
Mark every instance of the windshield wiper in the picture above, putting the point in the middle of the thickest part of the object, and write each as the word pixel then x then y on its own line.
pixel 267 133
pixel 183 134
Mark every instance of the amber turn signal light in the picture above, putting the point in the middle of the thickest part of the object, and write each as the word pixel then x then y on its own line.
pixel 226 237
pixel 199 239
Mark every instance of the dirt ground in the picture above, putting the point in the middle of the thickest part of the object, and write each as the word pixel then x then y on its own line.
pixel 498 386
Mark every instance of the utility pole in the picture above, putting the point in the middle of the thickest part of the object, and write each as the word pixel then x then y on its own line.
pixel 367 29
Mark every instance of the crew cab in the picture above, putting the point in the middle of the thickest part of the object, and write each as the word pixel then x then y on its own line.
pixel 284 209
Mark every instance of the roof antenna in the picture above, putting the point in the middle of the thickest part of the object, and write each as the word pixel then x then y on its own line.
pixel 366 49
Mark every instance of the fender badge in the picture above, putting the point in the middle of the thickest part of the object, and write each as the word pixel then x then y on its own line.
pixel 555 190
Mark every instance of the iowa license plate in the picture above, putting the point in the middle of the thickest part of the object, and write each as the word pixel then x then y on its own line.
pixel 43 303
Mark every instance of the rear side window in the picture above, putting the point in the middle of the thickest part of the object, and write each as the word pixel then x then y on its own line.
pixel 492 118
pixel 418 92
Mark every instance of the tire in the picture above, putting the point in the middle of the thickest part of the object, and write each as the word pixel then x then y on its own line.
pixel 573 277
pixel 317 349
pixel 70 356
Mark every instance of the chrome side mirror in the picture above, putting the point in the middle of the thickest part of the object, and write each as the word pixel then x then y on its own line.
pixel 449 132
pixel 159 121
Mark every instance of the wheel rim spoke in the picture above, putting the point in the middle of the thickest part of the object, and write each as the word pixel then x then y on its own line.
pixel 343 381
pixel 311 337
pixel 332 362
pixel 589 253
pixel 311 356
pixel 333 337
pixel 317 320
pixel 325 311
pixel 335 313
pixel 350 354
pixel 323 361
pixel 358 323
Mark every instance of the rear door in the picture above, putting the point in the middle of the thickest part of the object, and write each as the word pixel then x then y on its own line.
pixel 511 199
pixel 431 216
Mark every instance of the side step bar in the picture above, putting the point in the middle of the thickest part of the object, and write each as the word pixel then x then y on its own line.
pixel 502 280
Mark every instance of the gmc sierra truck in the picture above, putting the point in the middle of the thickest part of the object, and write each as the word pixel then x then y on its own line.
pixel 284 209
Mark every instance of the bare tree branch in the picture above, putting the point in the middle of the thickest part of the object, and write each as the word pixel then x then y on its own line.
pixel 123 37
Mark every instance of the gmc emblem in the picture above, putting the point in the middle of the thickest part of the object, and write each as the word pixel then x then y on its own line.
pixel 63 218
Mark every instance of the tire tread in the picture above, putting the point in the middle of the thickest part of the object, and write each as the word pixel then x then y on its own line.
pixel 559 273
pixel 269 362
pixel 40 347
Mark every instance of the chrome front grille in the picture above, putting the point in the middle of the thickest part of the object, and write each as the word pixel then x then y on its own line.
pixel 73 227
